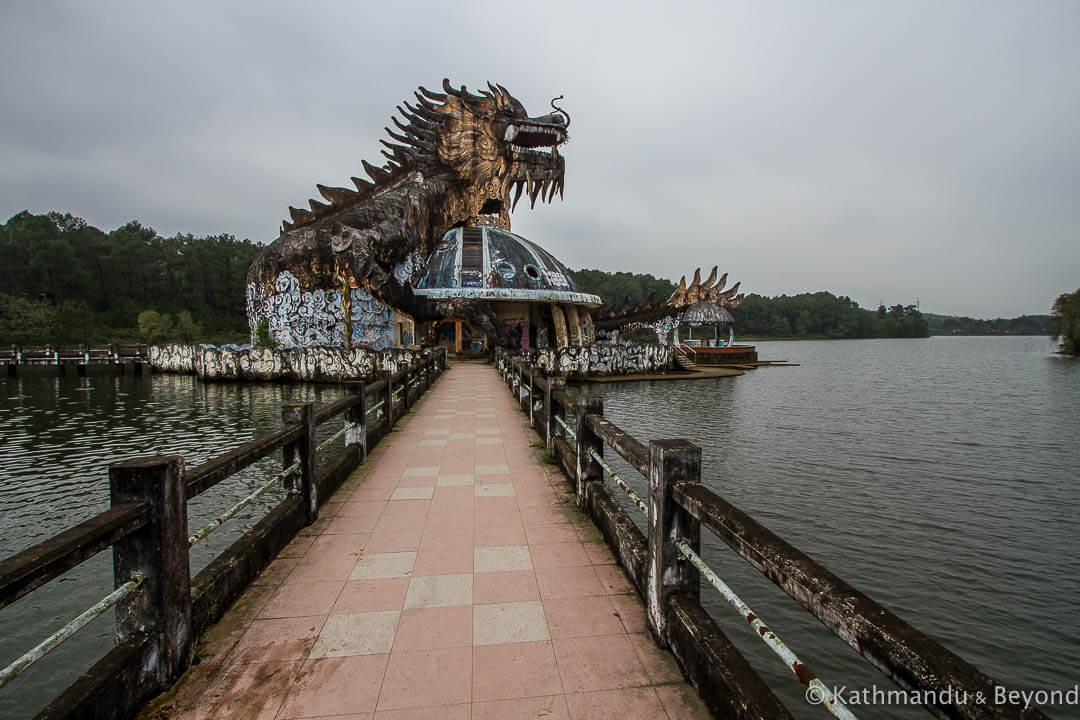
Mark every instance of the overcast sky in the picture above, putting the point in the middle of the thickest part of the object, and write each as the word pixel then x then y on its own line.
pixel 886 151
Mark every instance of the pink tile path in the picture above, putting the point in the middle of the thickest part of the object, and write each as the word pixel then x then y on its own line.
pixel 450 577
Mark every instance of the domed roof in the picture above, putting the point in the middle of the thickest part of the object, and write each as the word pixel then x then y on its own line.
pixel 707 313
pixel 493 264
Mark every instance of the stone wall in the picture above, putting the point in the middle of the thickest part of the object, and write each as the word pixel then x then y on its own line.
pixel 601 359
pixel 331 364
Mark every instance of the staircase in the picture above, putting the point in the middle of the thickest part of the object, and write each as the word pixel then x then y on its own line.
pixel 682 359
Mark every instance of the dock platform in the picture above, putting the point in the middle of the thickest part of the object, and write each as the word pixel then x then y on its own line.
pixel 451 576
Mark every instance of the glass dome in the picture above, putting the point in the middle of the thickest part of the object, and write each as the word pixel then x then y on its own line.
pixel 492 264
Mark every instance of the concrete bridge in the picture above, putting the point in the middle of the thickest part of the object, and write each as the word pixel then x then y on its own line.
pixel 452 576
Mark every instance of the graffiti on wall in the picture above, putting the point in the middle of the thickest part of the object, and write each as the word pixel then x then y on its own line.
pixel 304 364
pixel 304 319
pixel 601 359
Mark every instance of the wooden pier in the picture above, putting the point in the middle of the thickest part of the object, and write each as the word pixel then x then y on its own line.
pixel 79 358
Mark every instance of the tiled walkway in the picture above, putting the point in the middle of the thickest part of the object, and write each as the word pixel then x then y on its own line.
pixel 450 577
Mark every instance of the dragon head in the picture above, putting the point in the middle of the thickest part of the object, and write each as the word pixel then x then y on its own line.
pixel 488 142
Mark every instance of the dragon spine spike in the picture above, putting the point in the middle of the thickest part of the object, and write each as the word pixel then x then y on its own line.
pixel 337 195
pixel 720 283
pixel 375 173
pixel 437 97
pixel 712 277
pixel 317 207
pixel 362 185
pixel 298 216
pixel 422 104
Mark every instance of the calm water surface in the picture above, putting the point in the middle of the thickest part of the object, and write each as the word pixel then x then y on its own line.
pixel 938 476
pixel 59 436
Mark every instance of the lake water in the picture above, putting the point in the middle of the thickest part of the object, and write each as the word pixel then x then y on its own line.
pixel 939 476
pixel 59 435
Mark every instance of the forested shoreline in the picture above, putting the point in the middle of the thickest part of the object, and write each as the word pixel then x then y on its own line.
pixel 66 282
pixel 819 314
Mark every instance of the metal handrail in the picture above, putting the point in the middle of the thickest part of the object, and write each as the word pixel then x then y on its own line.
pixel 326 443
pixel 202 533
pixel 770 638
pixel 43 648
pixel 619 481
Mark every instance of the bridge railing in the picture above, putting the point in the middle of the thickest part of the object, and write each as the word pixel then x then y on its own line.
pixel 161 610
pixel 665 568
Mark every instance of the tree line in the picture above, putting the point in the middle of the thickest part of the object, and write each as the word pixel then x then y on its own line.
pixel 1065 322
pixel 819 314
pixel 64 281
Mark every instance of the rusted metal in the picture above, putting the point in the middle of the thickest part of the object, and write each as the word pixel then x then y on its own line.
pixel 30 569
pixel 770 638
pixel 203 477
pixel 726 681
pixel 619 481
pixel 329 441
pixel 567 429
pixel 40 650
pixel 912 659
pixel 221 519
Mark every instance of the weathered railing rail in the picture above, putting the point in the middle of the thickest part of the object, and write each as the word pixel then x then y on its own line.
pixel 665 567
pixel 161 608
pixel 81 356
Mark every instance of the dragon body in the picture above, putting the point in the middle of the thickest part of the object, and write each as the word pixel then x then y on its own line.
pixel 341 271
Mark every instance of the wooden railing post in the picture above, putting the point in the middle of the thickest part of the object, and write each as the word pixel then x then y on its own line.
pixel 356 420
pixel 406 380
pixel 588 470
pixel 550 412
pixel 158 553
pixel 302 450
pixel 389 402
pixel 670 462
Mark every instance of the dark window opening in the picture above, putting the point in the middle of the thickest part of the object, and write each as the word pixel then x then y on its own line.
pixel 491 207
pixel 532 272
pixel 472 257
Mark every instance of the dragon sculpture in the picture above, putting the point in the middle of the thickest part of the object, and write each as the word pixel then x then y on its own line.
pixel 352 260
pixel 657 313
